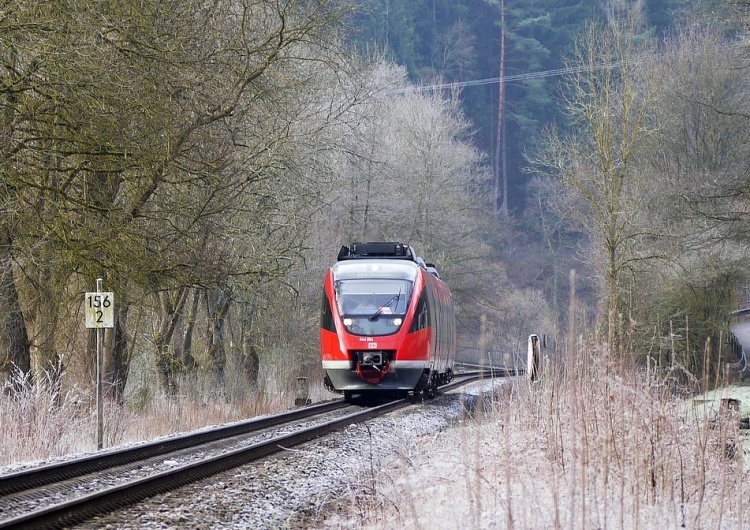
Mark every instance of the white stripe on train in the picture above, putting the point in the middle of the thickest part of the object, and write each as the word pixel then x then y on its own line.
pixel 395 365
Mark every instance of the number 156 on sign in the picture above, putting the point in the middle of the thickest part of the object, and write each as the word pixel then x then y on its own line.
pixel 99 309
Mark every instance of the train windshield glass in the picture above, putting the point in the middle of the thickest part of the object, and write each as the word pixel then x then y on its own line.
pixel 373 306
pixel 365 297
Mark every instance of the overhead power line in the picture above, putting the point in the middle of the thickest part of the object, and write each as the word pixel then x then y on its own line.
pixel 508 78
pixel 532 75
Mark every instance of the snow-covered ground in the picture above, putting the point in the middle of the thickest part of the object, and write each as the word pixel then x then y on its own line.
pixel 585 452
pixel 565 457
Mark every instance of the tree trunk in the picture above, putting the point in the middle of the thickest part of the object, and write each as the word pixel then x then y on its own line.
pixel 572 318
pixel 185 352
pixel 612 301
pixel 116 356
pixel 217 307
pixel 166 363
pixel 250 362
pixel 15 356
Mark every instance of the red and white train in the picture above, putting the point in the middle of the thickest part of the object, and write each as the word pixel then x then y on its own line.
pixel 387 323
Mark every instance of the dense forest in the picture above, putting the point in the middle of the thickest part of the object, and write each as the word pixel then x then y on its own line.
pixel 459 43
pixel 576 169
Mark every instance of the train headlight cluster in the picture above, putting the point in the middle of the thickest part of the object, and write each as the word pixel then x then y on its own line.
pixel 376 327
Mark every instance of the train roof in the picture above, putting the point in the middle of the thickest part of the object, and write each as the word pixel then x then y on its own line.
pixel 384 250
pixel 375 268
pixel 388 250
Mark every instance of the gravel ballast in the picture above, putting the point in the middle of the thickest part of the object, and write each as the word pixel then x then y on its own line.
pixel 295 487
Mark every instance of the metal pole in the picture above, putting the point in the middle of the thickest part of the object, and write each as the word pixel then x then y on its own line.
pixel 99 380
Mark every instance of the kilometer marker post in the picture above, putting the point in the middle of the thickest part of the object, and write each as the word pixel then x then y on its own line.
pixel 99 308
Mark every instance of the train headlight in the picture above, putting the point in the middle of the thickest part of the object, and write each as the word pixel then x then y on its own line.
pixel 397 321
pixel 348 322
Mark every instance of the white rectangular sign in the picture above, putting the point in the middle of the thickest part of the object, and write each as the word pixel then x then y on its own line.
pixel 99 309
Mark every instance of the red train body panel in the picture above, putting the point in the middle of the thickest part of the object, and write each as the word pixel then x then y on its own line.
pixel 387 322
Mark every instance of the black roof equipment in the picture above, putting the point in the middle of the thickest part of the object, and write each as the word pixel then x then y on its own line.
pixel 390 250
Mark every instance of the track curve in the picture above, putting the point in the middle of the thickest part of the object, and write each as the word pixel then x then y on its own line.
pixel 104 499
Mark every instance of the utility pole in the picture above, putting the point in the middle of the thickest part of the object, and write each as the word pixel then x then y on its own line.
pixel 499 161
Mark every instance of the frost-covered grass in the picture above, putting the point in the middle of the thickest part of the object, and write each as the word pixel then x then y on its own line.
pixel 38 426
pixel 35 425
pixel 586 448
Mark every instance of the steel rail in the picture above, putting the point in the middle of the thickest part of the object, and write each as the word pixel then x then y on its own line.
pixel 49 474
pixel 103 501
pixel 83 508
pixel 476 375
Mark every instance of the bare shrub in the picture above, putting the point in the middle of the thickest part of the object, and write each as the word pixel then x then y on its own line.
pixel 590 446
pixel 38 423
pixel 278 373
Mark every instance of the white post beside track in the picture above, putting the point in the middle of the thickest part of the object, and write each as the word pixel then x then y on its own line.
pixel 99 308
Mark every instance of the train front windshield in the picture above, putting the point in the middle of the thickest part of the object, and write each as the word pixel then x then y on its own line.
pixel 373 306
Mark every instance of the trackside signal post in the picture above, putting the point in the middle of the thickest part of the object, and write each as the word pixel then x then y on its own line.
pixel 99 308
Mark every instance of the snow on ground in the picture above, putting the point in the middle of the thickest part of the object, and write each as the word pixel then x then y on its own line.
pixel 508 469
pixel 567 456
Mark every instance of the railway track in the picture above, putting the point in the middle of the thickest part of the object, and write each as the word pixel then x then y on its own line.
pixel 62 495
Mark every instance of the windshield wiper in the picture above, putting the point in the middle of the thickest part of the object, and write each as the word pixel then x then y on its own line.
pixel 393 300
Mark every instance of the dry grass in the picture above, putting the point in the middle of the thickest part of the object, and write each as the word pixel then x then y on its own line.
pixel 36 429
pixel 586 448
pixel 38 426
pixel 35 426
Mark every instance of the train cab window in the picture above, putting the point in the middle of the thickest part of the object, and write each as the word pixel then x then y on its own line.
pixel 373 306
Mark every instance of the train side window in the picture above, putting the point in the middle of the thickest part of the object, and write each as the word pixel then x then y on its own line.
pixel 420 315
pixel 326 315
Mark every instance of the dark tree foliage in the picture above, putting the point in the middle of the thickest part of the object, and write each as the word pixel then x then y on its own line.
pixel 538 37
pixel 660 14
pixel 437 40
pixel 458 41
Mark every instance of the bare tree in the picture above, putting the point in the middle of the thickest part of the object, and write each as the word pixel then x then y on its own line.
pixel 610 113
pixel 410 173
pixel 699 158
